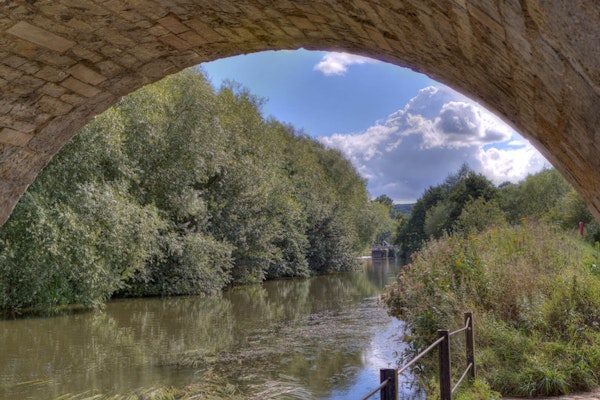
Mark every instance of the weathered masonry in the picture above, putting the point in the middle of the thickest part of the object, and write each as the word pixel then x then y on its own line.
pixel 535 63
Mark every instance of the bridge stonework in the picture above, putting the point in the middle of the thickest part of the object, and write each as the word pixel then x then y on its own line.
pixel 534 63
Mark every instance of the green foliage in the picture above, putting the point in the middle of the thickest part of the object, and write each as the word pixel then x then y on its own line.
pixel 543 196
pixel 534 291
pixel 386 201
pixel 80 252
pixel 477 215
pixel 181 189
pixel 535 197
pixel 435 213
pixel 478 390
pixel 378 217
pixel 190 264
pixel 404 209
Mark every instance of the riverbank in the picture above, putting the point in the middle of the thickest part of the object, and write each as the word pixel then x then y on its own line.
pixel 325 336
pixel 535 293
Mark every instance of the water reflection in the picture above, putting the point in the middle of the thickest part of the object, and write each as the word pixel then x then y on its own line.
pixel 326 332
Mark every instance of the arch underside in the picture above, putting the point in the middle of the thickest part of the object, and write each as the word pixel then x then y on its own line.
pixel 535 64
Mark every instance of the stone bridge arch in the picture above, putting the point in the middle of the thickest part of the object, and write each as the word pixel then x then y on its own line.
pixel 534 63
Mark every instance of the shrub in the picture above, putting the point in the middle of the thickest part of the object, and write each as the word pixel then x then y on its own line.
pixel 535 293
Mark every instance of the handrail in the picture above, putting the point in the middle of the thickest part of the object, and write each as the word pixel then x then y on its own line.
pixel 421 354
pixel 462 377
pixel 390 376
pixel 462 329
pixel 378 388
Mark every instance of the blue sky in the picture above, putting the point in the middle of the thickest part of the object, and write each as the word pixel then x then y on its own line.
pixel 402 131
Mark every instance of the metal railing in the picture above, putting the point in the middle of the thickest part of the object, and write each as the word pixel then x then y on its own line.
pixel 388 388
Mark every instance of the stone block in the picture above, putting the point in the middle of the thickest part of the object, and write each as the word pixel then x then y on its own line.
pixel 58 131
pixel 14 61
pixel 192 38
pixel 41 37
pixel 24 48
pixel 149 8
pixel 31 81
pixel 86 54
pixel 123 84
pixel 51 74
pixel 252 12
pixel 14 137
pixel 112 52
pixel 109 68
pixel 302 23
pixel 57 60
pixel 78 25
pixel 73 99
pixel 175 42
pixel 116 38
pixel 50 105
pixel 21 164
pixel 134 17
pixel 86 74
pixel 148 52
pixel 204 30
pixel 30 68
pixel 9 74
pixel 378 38
pixel 23 111
pixel 158 30
pixel 18 90
pixel 292 31
pixel 87 7
pixel 6 105
pixel 157 69
pixel 24 126
pixel 80 87
pixel 173 24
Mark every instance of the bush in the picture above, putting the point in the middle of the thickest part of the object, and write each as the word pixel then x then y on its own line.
pixel 535 292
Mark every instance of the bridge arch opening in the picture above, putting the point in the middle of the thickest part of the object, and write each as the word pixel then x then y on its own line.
pixel 402 130
pixel 533 63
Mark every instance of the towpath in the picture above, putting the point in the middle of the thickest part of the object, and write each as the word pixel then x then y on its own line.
pixel 594 395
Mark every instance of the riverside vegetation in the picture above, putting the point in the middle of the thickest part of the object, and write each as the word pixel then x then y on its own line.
pixel 513 256
pixel 182 189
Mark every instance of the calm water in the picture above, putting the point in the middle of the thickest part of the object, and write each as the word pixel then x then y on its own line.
pixel 326 335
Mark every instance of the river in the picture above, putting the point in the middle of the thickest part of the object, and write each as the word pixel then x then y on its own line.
pixel 321 338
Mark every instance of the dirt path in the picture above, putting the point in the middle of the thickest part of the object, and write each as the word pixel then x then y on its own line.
pixel 595 395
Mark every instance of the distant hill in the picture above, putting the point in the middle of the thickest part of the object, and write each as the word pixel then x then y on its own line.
pixel 404 208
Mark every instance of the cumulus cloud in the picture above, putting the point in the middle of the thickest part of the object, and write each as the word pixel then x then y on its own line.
pixel 512 165
pixel 338 63
pixel 430 138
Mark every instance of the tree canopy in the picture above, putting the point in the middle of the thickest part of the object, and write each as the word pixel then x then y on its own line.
pixel 181 189
pixel 467 201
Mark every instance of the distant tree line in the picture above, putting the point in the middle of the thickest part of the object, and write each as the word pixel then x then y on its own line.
pixel 182 189
pixel 469 202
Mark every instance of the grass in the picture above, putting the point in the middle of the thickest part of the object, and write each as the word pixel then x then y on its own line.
pixel 535 293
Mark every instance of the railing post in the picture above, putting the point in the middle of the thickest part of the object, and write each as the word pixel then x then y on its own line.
pixel 470 342
pixel 389 391
pixel 445 376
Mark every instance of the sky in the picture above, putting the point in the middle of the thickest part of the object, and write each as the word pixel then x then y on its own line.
pixel 402 131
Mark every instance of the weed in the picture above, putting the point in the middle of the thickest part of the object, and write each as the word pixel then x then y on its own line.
pixel 535 293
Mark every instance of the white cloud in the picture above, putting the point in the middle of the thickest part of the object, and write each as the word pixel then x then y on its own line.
pixel 430 138
pixel 512 165
pixel 338 63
